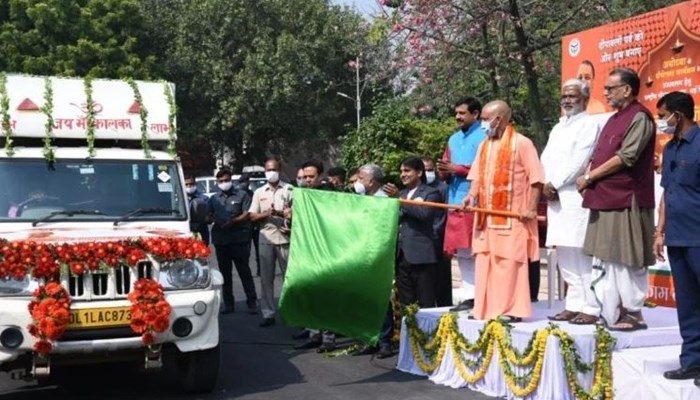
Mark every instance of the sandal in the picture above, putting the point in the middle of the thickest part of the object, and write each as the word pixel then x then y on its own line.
pixel 634 324
pixel 565 315
pixel 584 319
pixel 510 319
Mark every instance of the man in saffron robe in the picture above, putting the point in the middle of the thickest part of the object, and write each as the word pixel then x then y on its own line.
pixel 505 176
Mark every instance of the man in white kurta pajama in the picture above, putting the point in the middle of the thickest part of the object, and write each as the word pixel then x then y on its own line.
pixel 565 157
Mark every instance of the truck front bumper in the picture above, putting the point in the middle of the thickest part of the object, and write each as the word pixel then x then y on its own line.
pixel 199 308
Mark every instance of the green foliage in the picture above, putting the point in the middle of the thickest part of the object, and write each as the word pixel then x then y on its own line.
pixel 259 75
pixel 392 133
pixel 99 38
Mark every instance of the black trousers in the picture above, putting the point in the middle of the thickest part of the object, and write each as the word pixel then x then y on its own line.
pixel 685 267
pixel 443 282
pixel 416 283
pixel 256 245
pixel 534 279
pixel 237 254
pixel 204 233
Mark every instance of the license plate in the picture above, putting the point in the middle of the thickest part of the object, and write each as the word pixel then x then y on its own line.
pixel 99 317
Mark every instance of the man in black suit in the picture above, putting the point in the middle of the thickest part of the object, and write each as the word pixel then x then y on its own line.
pixel 417 258
pixel 443 271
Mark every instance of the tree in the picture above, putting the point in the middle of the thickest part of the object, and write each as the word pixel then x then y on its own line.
pixel 505 48
pixel 100 38
pixel 259 75
pixel 393 132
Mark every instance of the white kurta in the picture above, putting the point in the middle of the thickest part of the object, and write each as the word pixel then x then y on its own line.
pixel 564 159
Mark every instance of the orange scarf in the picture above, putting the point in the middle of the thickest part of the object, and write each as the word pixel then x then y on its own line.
pixel 497 194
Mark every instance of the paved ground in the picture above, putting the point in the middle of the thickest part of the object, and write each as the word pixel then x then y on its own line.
pixel 257 363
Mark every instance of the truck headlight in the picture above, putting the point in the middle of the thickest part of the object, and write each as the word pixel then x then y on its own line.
pixel 184 274
pixel 17 287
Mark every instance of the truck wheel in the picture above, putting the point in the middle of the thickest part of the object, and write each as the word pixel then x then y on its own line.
pixel 199 370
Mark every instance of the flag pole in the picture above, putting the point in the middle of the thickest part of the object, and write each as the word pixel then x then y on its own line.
pixel 498 213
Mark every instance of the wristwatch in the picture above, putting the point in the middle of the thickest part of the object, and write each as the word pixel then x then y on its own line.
pixel 587 178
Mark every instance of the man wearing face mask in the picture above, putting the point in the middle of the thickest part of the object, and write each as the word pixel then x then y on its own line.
pixel 679 223
pixel 565 157
pixel 455 165
pixel 267 210
pixel 618 189
pixel 443 273
pixel 300 178
pixel 231 235
pixel 506 176
pixel 199 205
pixel 369 181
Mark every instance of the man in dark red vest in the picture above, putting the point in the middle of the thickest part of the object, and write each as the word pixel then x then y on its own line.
pixel 618 188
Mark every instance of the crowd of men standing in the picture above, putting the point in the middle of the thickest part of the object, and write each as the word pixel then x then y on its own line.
pixel 596 174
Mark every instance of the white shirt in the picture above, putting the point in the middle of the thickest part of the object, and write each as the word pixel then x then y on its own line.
pixel 380 193
pixel 565 158
pixel 267 198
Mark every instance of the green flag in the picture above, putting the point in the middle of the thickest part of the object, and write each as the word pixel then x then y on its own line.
pixel 341 262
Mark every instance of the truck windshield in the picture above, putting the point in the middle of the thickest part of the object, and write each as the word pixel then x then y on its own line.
pixel 109 189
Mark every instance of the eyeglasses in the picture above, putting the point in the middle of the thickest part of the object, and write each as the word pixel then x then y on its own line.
pixel 610 88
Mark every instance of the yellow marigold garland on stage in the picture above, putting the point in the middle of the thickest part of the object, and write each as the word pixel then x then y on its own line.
pixel 396 314
pixel 429 350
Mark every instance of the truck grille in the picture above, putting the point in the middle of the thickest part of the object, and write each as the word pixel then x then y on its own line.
pixel 113 284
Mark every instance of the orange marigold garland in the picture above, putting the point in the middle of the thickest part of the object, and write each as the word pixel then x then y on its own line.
pixel 50 310
pixel 497 193
pixel 150 312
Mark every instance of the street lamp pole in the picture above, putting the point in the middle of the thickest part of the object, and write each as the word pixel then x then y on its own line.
pixel 358 97
pixel 358 104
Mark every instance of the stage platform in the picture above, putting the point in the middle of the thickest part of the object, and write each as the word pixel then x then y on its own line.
pixel 638 360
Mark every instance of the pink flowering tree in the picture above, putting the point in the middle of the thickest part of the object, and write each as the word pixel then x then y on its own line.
pixel 507 49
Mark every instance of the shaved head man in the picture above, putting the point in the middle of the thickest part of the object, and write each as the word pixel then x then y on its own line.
pixel 506 176
pixel 495 117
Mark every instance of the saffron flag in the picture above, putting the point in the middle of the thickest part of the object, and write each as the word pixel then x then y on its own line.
pixel 341 262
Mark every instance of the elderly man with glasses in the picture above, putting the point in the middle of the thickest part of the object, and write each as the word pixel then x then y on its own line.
pixel 618 189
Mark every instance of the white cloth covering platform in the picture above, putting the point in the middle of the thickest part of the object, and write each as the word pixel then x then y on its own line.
pixel 629 369
pixel 638 375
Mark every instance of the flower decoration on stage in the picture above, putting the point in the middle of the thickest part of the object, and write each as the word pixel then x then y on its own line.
pixel 50 310
pixel 429 349
pixel 50 307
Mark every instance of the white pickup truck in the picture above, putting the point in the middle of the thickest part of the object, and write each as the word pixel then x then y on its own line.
pixel 89 165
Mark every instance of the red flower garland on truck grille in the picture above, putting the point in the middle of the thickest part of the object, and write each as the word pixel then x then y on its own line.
pixel 50 310
pixel 150 311
pixel 50 306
